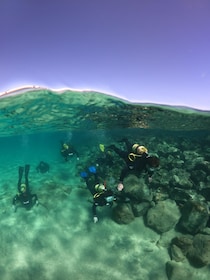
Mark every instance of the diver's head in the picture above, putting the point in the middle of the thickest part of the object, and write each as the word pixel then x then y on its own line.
pixel 153 161
pixel 65 146
pixel 23 188
pixel 100 188
pixel 140 150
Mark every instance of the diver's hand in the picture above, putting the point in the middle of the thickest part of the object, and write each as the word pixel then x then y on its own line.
pixel 150 179
pixel 120 187
pixel 77 158
pixel 95 219
pixel 37 202
pixel 14 208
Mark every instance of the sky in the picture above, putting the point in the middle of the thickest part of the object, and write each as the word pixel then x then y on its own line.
pixel 155 51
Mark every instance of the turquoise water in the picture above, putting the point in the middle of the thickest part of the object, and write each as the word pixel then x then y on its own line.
pixel 57 239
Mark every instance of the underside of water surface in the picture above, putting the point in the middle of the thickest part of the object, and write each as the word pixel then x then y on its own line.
pixel 44 110
pixel 57 239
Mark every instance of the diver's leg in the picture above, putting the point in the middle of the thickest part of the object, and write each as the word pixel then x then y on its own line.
pixel 34 199
pixel 128 144
pixel 27 169
pixel 122 154
pixel 20 175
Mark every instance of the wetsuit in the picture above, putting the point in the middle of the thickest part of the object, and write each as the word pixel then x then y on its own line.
pixel 26 199
pixel 69 152
pixel 137 166
pixel 43 167
pixel 104 198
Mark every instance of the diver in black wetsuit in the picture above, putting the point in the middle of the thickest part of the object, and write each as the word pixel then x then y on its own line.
pixel 24 196
pixel 68 151
pixel 43 167
pixel 137 160
pixel 101 195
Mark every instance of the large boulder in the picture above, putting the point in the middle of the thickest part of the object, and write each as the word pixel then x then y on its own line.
pixel 199 253
pixel 163 216
pixel 196 249
pixel 178 271
pixel 181 196
pixel 183 242
pixel 136 189
pixel 140 209
pixel 123 214
pixel 176 253
pixel 194 216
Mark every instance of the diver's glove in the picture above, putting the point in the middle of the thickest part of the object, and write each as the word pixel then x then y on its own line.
pixel 150 179
pixel 14 208
pixel 120 187
pixel 95 219
pixel 37 202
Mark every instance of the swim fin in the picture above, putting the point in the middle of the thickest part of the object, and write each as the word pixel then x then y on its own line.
pixel 102 147
pixel 92 169
pixel 83 174
pixel 27 169
pixel 20 172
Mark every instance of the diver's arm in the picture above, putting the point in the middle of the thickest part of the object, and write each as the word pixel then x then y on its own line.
pixel 128 144
pixel 76 153
pixel 95 218
pixel 150 173
pixel 35 197
pixel 123 173
pixel 15 198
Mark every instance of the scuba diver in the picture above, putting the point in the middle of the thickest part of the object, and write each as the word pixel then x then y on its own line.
pixel 137 161
pixel 101 195
pixel 43 167
pixel 24 196
pixel 68 151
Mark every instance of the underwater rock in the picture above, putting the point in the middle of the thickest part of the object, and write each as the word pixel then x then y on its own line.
pixel 194 216
pixel 180 195
pixel 199 252
pixel 159 195
pixel 177 254
pixel 163 216
pixel 180 178
pixel 160 179
pixel 178 271
pixel 192 158
pixel 123 214
pixel 183 242
pixel 140 209
pixel 136 189
pixel 166 237
pixel 198 176
pixel 205 192
pixel 206 230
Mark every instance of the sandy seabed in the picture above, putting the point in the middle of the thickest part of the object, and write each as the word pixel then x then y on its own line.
pixel 58 240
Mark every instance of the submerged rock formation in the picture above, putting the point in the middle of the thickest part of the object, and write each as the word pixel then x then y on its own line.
pixel 163 216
